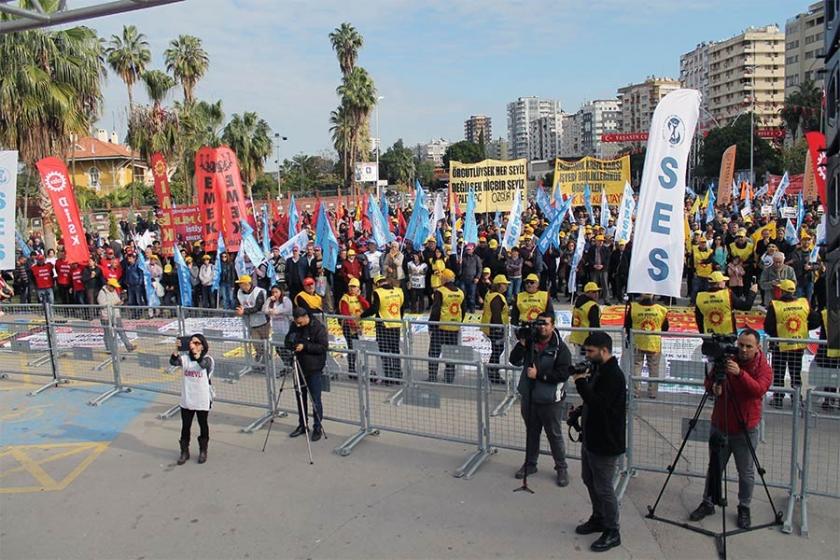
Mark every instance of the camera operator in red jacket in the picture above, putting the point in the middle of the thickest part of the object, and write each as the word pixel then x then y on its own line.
pixel 748 378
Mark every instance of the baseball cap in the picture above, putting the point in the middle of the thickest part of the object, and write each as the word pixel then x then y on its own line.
pixel 599 238
pixel 486 270
pixel 447 276
pixel 205 258
pixel 354 282
pixel 493 243
pixel 532 278
pixel 717 276
pixel 244 279
pixel 113 282
pixel 378 278
pixel 591 287
pixel 500 279
pixel 788 286
pixel 309 281
pixel 351 253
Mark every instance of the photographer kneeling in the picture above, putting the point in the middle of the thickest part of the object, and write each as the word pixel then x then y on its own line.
pixel 603 390
pixel 747 380
pixel 307 338
pixel 546 360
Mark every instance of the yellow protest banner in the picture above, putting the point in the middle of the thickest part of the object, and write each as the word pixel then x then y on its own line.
pixel 609 175
pixel 494 181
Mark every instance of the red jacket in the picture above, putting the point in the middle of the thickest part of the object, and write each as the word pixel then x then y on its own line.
pixel 62 271
pixel 749 389
pixel 43 274
pixel 351 269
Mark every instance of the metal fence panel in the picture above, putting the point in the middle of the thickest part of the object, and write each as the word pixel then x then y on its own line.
pixel 23 342
pixel 821 450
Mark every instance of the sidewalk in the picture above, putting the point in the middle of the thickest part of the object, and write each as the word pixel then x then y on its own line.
pixel 393 497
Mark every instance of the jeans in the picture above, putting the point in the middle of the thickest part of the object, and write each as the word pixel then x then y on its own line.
pixel 310 384
pixel 598 472
pixel 698 284
pixel 109 335
pixel 46 294
pixel 136 296
pixel 514 288
pixel 186 425
pixel 226 296
pixel 469 294
pixel 548 417
pixel 736 445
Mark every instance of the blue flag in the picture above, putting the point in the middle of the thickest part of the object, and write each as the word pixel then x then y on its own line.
pixel 605 210
pixel 550 237
pixel 544 204
pixel 780 190
pixel 325 238
pixel 710 209
pixel 497 219
pixel 22 245
pixel 800 215
pixel 184 278
pixel 294 218
pixel 152 299
pixel 790 234
pixel 417 229
pixel 587 201
pixel 381 234
pixel 266 247
pixel 383 204
pixel 470 225
pixel 249 245
pixel 217 272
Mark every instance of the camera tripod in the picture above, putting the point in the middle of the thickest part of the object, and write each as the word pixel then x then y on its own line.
pixel 529 361
pixel 299 383
pixel 720 537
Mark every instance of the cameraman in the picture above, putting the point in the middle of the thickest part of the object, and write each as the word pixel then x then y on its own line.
pixel 604 393
pixel 307 338
pixel 747 379
pixel 545 359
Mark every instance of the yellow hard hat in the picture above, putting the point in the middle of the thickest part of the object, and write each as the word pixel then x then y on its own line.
pixel 244 279
pixel 532 278
pixel 591 287
pixel 500 279
pixel 788 286
pixel 717 276
pixel 354 282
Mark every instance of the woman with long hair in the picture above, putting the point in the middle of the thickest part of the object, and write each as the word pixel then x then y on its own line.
pixel 196 392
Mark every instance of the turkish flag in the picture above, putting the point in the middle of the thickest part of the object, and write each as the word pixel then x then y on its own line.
pixel 56 182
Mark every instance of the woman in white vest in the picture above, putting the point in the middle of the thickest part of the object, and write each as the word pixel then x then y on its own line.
pixel 196 393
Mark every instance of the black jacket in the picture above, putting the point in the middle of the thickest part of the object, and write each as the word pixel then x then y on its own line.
pixel 313 336
pixel 604 396
pixel 552 369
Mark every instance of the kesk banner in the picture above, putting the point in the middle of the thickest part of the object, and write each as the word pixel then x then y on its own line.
pixel 495 183
pixel 8 196
pixel 57 183
pixel 209 201
pixel 816 149
pixel 656 265
pixel 727 171
pixel 164 196
pixel 609 175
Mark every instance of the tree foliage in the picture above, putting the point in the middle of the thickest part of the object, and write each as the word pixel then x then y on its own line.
pixel 766 157
pixel 188 62
pixel 397 164
pixel 128 55
pixel 801 112
pixel 463 151
pixel 250 137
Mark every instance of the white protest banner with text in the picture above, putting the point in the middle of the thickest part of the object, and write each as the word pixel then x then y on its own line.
pixel 8 196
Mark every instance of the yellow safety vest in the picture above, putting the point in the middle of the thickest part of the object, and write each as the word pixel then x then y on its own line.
pixel 791 321
pixel 830 352
pixel 744 253
pixel 353 304
pixel 450 307
pixel 648 318
pixel 580 318
pixel 531 305
pixel 702 270
pixel 312 300
pixel 716 308
pixel 486 313
pixel 390 303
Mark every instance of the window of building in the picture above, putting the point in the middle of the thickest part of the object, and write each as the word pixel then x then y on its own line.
pixel 93 175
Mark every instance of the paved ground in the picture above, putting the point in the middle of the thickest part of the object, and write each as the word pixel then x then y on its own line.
pixel 100 482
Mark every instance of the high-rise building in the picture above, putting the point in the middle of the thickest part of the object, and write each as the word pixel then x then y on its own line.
pixel 498 149
pixel 433 151
pixel 477 127
pixel 804 38
pixel 570 143
pixel 520 114
pixel 545 134
pixel 751 61
pixel 694 74
pixel 596 118
pixel 639 101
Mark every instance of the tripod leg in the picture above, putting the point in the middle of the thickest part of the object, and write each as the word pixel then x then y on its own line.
pixel 276 404
pixel 298 379
pixel 691 425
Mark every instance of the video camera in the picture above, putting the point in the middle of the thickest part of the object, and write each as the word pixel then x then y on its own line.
pixel 528 330
pixel 718 349
pixel 582 366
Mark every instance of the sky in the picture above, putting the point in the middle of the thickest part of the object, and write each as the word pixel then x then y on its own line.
pixel 435 62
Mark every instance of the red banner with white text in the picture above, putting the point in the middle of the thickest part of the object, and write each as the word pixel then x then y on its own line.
pixel 164 196
pixel 218 167
pixel 209 201
pixel 816 149
pixel 56 182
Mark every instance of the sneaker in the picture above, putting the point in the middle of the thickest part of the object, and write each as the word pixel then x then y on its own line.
pixel 743 521
pixel 520 474
pixel 591 525
pixel 703 510
pixel 608 539
pixel 562 477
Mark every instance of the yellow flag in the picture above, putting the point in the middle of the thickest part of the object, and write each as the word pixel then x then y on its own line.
pixel 696 206
pixel 706 198
pixel 687 229
pixel 758 233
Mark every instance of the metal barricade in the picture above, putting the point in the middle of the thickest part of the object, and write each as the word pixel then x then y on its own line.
pixel 212 322
pixel 821 437
pixel 25 341
pixel 443 411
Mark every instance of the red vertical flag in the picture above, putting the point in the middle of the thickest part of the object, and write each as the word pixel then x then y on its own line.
pixel 401 223
pixel 164 196
pixel 816 148
pixel 209 201
pixel 57 183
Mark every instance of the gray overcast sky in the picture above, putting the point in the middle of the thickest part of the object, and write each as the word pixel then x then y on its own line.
pixel 436 62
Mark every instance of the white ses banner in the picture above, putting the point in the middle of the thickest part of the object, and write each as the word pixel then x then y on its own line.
pixel 656 265
pixel 8 196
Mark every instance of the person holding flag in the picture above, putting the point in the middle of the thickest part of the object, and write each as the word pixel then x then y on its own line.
pixel 448 306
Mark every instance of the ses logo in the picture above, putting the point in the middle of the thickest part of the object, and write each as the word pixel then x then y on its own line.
pixel 674 131
pixel 5 176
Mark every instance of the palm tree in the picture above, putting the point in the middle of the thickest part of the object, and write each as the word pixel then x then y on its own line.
pixel 346 42
pixel 128 56
pixel 341 129
pixel 188 62
pixel 802 108
pixel 158 85
pixel 250 137
pixel 358 95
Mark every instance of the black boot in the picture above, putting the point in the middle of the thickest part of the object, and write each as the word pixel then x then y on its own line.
pixel 300 430
pixel 185 452
pixel 744 517
pixel 202 450
pixel 609 538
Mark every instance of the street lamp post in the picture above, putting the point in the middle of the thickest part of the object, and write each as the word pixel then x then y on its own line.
pixel 378 145
pixel 277 139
